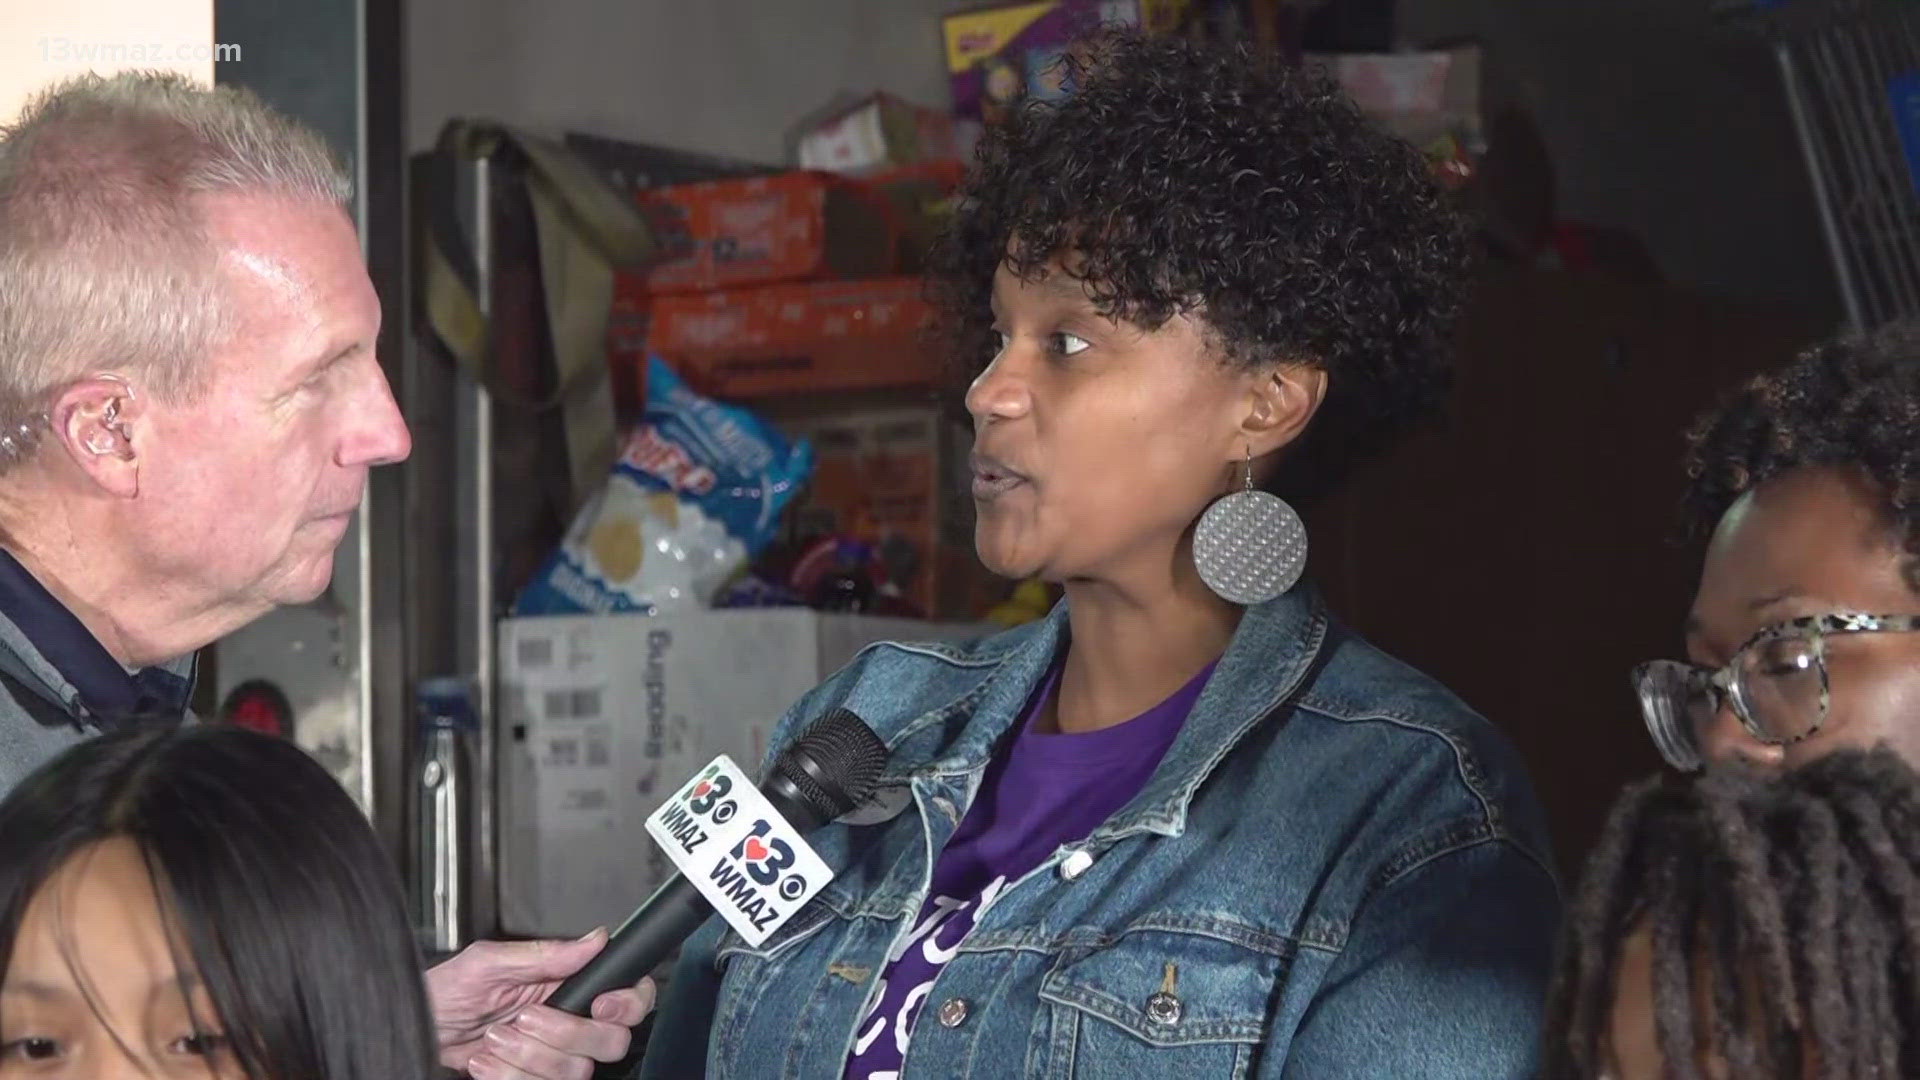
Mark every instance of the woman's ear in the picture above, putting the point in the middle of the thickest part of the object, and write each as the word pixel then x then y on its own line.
pixel 1282 400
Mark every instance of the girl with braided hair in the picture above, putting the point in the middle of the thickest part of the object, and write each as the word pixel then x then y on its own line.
pixel 1751 926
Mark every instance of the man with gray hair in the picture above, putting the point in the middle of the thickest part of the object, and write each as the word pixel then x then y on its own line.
pixel 189 407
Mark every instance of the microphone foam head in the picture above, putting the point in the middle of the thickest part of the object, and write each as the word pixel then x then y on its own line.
pixel 835 763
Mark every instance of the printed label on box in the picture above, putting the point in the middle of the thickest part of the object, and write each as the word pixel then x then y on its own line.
pixel 975 35
pixel 751 864
pixel 573 746
pixel 561 694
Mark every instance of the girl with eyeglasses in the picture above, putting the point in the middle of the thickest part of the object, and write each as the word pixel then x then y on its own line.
pixel 1802 638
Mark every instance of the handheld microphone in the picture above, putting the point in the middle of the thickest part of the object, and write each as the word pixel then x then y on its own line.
pixel 830 769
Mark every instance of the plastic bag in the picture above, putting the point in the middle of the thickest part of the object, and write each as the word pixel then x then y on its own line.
pixel 697 492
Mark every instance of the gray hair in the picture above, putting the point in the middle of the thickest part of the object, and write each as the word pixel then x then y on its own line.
pixel 104 260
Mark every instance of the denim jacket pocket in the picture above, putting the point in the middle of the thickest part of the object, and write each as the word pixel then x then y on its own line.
pixel 1158 1003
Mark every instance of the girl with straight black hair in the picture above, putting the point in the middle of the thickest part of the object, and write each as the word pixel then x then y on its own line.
pixel 201 901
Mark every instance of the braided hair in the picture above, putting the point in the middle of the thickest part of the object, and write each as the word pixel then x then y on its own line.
pixel 1784 915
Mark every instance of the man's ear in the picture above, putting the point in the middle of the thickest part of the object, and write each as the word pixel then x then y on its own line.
pixel 96 422
pixel 1282 399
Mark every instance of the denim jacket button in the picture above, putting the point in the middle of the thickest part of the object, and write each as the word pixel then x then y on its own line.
pixel 1163 1009
pixel 1075 863
pixel 953 1012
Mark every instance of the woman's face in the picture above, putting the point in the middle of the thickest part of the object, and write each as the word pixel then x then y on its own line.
pixel 1096 444
pixel 98 919
pixel 1812 543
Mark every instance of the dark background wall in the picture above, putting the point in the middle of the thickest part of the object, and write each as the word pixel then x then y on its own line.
pixel 1659 120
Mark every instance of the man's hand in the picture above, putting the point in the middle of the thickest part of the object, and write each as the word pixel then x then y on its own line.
pixel 487 1016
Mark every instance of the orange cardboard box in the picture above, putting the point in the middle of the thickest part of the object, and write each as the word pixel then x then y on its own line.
pixel 823 337
pixel 786 227
pixel 896 475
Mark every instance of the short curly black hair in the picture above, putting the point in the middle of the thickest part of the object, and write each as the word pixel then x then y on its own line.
pixel 1247 192
pixel 1851 404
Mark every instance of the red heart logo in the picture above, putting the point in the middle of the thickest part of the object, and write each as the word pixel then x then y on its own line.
pixel 755 849
pixel 703 787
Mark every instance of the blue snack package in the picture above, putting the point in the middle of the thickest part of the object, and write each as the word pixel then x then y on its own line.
pixel 697 492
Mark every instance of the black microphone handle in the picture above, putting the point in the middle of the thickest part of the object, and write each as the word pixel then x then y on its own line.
pixel 668 917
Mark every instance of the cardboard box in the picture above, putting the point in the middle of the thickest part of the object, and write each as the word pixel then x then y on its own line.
pixel 922 199
pixel 896 476
pixel 787 227
pixel 633 167
pixel 997 55
pixel 883 131
pixel 826 337
pixel 601 716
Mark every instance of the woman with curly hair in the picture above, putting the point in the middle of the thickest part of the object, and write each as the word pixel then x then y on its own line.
pixel 1188 825
pixel 1802 638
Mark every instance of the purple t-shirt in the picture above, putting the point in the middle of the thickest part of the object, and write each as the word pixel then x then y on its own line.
pixel 1043 791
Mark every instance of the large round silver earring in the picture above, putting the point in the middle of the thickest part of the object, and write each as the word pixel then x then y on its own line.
pixel 1250 546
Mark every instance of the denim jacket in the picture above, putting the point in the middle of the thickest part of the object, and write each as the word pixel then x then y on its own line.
pixel 1337 870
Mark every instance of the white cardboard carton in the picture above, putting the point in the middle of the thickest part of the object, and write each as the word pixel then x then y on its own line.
pixel 603 716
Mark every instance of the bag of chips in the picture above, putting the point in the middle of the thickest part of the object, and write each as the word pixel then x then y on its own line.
pixel 697 492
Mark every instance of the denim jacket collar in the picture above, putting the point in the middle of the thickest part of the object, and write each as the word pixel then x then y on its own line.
pixel 1283 637
pixel 1269 657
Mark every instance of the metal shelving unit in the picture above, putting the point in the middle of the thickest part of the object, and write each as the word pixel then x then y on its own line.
pixel 1851 73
